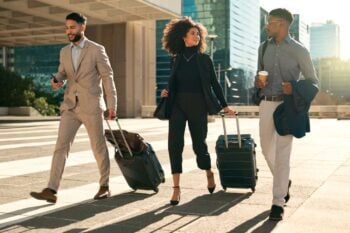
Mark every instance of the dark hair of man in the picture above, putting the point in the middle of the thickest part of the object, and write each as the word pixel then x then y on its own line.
pixel 283 14
pixel 175 32
pixel 77 17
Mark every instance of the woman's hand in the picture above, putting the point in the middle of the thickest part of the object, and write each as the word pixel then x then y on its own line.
pixel 229 111
pixel 164 93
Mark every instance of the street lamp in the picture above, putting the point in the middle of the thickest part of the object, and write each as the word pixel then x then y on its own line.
pixel 212 38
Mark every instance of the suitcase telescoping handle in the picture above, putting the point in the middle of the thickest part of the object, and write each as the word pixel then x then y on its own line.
pixel 225 132
pixel 124 139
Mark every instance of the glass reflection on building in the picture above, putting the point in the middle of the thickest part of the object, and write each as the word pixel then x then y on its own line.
pixel 236 24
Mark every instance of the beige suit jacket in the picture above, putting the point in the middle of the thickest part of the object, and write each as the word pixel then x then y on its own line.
pixel 93 72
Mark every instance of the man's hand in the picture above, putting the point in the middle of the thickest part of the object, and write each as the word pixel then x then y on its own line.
pixel 56 84
pixel 287 88
pixel 112 114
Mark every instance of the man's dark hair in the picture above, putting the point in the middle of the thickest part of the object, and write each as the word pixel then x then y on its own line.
pixel 282 13
pixel 77 17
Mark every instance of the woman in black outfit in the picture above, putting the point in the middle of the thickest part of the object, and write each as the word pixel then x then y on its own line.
pixel 190 96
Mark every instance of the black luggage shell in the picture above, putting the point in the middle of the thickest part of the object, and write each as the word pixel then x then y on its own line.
pixel 236 160
pixel 141 170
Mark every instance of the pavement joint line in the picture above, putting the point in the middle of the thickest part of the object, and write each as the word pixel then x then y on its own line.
pixel 35 137
pixel 36 144
pixel 55 137
pixel 42 164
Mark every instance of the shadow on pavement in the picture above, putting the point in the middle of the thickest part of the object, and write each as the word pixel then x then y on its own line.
pixel 266 227
pixel 23 211
pixel 79 212
pixel 177 217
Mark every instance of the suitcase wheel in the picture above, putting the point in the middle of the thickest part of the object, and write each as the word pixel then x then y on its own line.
pixel 224 187
pixel 133 188
pixel 163 180
pixel 253 189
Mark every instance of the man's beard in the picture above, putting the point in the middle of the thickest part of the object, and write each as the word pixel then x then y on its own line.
pixel 76 38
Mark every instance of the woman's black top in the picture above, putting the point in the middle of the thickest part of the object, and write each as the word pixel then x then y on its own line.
pixel 187 78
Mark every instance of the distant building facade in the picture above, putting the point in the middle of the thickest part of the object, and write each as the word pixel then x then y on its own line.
pixel 324 41
pixel 263 21
pixel 38 60
pixel 334 76
pixel 299 30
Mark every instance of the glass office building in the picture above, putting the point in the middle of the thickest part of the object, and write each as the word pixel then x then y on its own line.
pixel 263 20
pixel 236 25
pixel 299 30
pixel 324 41
pixel 37 60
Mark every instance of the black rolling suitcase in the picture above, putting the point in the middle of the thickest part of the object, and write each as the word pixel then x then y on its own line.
pixel 140 169
pixel 236 160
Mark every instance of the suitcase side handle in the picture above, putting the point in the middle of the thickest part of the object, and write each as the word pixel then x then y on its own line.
pixel 225 132
pixel 124 139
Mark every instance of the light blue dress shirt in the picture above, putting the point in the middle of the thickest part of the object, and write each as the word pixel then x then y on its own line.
pixel 76 51
pixel 285 61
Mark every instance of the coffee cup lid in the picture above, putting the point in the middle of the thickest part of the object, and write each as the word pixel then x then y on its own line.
pixel 263 72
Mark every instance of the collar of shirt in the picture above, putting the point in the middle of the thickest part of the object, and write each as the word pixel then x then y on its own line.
pixel 80 45
pixel 287 39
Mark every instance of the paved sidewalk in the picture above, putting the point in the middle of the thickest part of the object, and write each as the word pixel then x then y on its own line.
pixel 17 119
pixel 319 194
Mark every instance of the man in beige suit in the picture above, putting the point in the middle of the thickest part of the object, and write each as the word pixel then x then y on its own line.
pixel 84 67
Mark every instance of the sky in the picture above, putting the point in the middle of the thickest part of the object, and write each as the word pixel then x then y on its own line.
pixel 319 11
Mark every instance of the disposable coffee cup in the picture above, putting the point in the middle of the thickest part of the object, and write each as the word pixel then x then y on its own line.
pixel 263 76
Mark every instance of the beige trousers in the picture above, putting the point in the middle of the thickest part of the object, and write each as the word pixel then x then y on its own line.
pixel 276 150
pixel 70 123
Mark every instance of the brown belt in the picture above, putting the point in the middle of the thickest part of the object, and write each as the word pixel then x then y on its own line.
pixel 272 97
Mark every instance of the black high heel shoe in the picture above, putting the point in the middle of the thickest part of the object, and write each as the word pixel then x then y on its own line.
pixel 211 189
pixel 177 200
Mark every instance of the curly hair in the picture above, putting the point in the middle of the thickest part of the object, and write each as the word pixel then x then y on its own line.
pixel 176 30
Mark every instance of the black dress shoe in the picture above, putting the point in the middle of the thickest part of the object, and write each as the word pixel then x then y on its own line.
pixel 46 194
pixel 276 213
pixel 287 197
pixel 177 199
pixel 102 193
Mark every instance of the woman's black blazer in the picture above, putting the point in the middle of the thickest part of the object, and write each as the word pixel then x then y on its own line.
pixel 209 84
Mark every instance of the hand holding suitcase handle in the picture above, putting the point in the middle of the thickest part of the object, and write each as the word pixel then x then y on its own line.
pixel 124 139
pixel 238 130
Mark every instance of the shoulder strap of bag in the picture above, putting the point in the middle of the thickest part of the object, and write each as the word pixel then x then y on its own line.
pixel 264 46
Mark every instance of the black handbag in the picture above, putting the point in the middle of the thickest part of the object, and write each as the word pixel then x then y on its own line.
pixel 161 111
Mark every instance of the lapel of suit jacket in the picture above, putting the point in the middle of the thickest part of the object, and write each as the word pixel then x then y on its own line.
pixel 172 72
pixel 67 59
pixel 82 54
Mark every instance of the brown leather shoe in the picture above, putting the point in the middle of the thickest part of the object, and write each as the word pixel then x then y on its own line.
pixel 46 194
pixel 102 193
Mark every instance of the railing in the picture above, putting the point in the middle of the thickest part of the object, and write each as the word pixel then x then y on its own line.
pixel 316 111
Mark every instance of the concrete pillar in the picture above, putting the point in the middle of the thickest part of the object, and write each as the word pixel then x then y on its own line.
pixel 132 52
